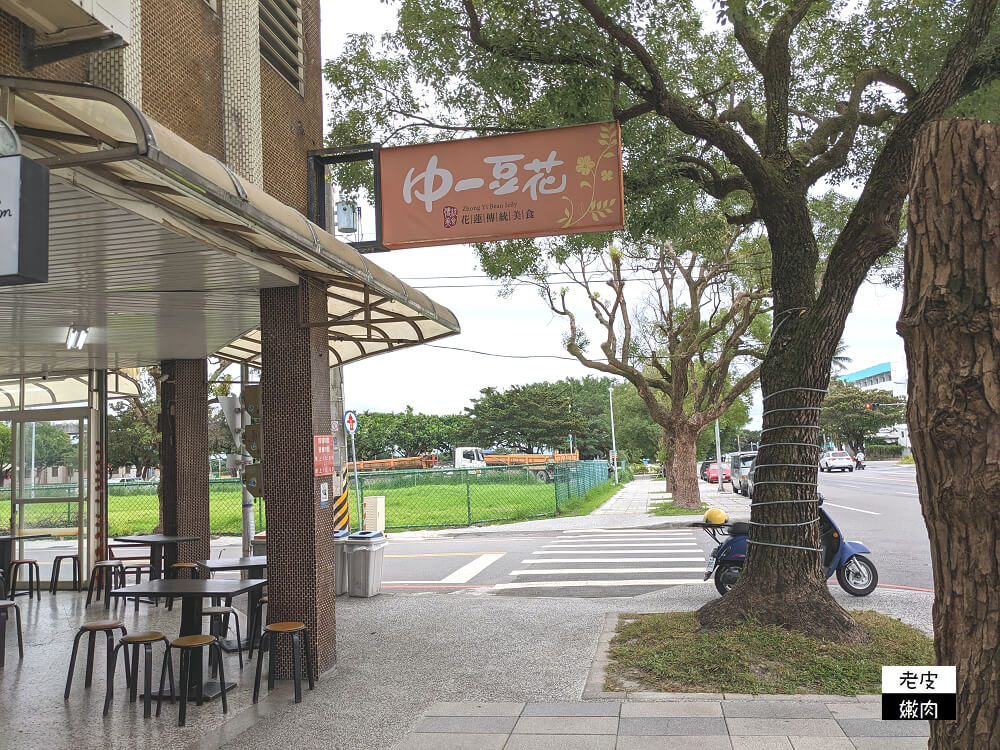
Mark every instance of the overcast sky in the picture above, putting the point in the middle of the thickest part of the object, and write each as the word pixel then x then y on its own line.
pixel 440 381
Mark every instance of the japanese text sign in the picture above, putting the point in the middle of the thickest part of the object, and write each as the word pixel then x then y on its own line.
pixel 534 184
pixel 324 455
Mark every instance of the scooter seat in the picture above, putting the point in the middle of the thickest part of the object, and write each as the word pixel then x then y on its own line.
pixel 736 528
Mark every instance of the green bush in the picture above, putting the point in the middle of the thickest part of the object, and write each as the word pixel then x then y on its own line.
pixel 882 452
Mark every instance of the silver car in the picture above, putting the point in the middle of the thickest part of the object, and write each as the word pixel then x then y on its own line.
pixel 836 460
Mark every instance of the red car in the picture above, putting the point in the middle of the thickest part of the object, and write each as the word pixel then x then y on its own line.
pixel 713 472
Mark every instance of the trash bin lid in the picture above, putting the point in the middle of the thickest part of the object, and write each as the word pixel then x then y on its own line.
pixel 340 535
pixel 366 536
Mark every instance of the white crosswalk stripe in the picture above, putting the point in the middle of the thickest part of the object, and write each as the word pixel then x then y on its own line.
pixel 589 562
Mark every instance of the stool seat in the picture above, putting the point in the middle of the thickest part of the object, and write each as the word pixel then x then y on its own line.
pixel 4 603
pixel 285 627
pixel 107 563
pixel 184 565
pixel 206 611
pixel 263 599
pixel 149 636
pixel 23 561
pixel 192 641
pixel 101 625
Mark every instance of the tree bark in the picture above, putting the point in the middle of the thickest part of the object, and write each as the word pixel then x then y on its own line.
pixel 951 327
pixel 684 471
pixel 782 582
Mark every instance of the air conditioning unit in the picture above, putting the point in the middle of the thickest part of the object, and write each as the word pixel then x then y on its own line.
pixel 62 21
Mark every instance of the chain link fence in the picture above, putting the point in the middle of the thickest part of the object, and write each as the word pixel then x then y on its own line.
pixel 413 499
pixel 463 497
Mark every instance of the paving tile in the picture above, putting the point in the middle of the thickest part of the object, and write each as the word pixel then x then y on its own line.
pixel 784 727
pixel 761 743
pixel 472 708
pixel 810 697
pixel 855 710
pixel 566 725
pixel 442 741
pixel 652 696
pixel 560 742
pixel 762 709
pixel 890 743
pixel 672 709
pixel 466 724
pixel 870 698
pixel 672 726
pixel 675 742
pixel 821 743
pixel 575 708
pixel 879 728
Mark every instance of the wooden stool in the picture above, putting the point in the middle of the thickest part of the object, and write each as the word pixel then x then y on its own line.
pixel 93 628
pixel 5 608
pixel 271 632
pixel 56 563
pixel 220 626
pixel 34 577
pixel 188 644
pixel 175 571
pixel 253 636
pixel 103 575
pixel 146 640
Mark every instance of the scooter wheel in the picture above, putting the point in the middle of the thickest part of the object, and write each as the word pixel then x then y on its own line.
pixel 726 577
pixel 858 576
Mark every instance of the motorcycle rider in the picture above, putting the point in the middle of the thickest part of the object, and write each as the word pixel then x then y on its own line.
pixel 859 459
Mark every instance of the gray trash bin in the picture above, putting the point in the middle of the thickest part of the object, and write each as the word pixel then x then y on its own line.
pixel 258 547
pixel 340 561
pixel 364 559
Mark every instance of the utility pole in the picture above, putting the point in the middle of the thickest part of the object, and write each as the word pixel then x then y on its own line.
pixel 614 445
pixel 718 454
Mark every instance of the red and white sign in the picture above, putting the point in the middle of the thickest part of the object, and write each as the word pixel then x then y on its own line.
pixel 350 422
pixel 324 455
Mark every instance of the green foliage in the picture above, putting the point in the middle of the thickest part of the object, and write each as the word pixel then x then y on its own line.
pixel 6 456
pixel 845 417
pixel 730 425
pixel 407 433
pixel 525 418
pixel 876 452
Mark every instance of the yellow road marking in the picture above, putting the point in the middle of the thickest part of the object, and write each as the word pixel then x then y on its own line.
pixel 448 554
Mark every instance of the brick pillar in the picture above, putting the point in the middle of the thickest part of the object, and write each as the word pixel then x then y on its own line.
pixel 184 456
pixel 295 391
pixel 242 127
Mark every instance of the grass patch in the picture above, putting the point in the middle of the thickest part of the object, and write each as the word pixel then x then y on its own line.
pixel 667 508
pixel 669 652
pixel 906 461
pixel 595 498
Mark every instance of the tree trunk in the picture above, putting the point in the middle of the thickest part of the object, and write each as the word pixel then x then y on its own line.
pixel 684 471
pixel 782 583
pixel 668 462
pixel 951 327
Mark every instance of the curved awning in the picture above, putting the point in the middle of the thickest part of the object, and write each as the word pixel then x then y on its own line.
pixel 97 143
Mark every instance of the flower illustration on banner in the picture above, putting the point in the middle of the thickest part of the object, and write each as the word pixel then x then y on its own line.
pixel 585 165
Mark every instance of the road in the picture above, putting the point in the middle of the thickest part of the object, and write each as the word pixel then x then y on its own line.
pixel 878 506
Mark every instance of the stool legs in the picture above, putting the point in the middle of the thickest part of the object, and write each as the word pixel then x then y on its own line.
pixel 34 579
pixel 297 666
pixel 260 663
pixel 90 657
pixel 185 678
pixel 167 668
pixel 222 674
pixel 308 654
pixel 3 633
pixel 299 647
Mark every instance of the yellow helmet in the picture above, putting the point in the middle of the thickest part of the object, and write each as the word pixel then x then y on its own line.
pixel 715 516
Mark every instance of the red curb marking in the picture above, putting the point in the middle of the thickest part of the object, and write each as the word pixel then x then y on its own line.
pixel 441 586
pixel 908 588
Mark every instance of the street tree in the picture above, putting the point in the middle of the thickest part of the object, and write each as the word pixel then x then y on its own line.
pixel 6 455
pixel 852 415
pixel 524 418
pixel 131 439
pixel 951 331
pixel 588 397
pixel 758 106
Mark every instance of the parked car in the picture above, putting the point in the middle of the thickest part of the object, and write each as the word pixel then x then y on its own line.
pixel 744 481
pixel 703 470
pixel 713 472
pixel 836 460
pixel 740 463
pixel 750 479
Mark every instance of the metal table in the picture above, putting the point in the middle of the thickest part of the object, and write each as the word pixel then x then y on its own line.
pixel 255 567
pixel 191 592
pixel 156 544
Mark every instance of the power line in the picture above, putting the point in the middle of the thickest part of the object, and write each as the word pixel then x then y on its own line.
pixel 507 356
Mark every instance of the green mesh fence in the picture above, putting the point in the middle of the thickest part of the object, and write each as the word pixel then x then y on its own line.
pixel 463 497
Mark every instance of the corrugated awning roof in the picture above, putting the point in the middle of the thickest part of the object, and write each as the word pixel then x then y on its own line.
pixel 99 143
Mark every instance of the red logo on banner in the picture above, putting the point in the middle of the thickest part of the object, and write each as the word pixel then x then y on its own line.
pixel 324 455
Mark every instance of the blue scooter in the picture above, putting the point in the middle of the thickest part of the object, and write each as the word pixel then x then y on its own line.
pixel 856 574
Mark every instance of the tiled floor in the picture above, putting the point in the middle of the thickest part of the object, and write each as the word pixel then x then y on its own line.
pixel 758 724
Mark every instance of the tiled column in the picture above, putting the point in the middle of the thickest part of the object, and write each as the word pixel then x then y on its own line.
pixel 295 391
pixel 184 456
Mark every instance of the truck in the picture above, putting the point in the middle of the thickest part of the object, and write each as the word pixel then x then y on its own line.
pixel 541 465
pixel 427 461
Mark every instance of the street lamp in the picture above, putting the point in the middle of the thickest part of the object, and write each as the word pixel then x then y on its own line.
pixel 614 446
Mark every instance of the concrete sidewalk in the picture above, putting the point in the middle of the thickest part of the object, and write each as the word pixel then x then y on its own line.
pixel 668 720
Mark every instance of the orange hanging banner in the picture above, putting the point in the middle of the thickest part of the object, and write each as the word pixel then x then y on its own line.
pixel 534 184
